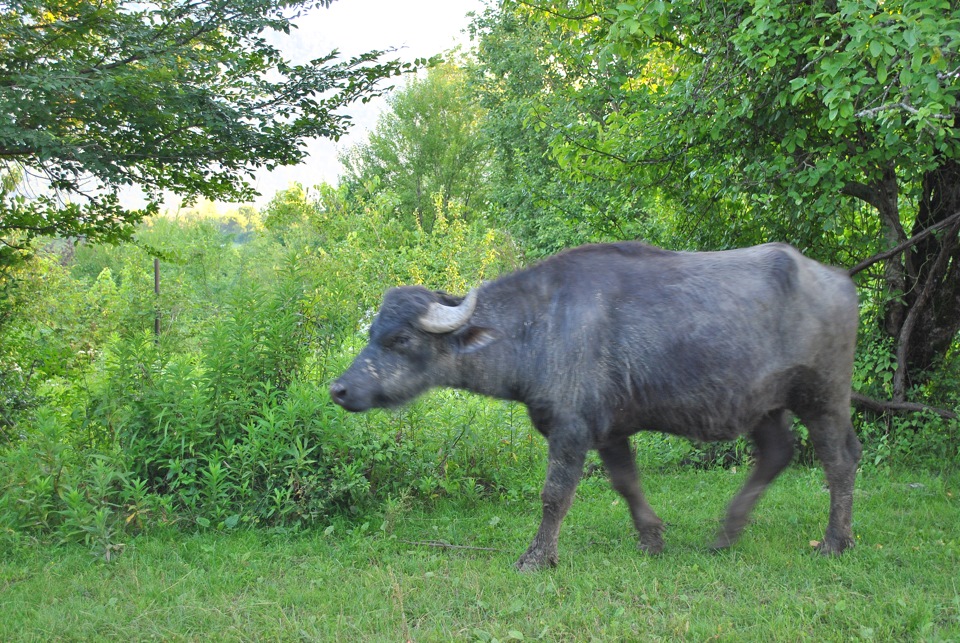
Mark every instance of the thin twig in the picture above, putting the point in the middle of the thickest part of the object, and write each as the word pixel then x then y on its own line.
pixel 573 18
pixel 869 113
pixel 445 545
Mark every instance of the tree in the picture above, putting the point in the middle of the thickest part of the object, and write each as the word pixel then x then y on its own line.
pixel 174 95
pixel 426 144
pixel 781 120
pixel 529 99
pixel 287 210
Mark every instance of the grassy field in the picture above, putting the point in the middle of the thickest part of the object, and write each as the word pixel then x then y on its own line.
pixel 391 580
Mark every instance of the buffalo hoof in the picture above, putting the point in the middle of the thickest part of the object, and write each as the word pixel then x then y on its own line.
pixel 535 560
pixel 651 540
pixel 729 532
pixel 724 541
pixel 834 546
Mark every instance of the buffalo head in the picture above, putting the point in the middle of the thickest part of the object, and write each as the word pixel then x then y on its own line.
pixel 415 341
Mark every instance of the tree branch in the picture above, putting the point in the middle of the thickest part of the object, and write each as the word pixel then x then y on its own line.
pixel 863 192
pixel 548 10
pixel 868 113
pixel 870 404
pixel 912 241
pixel 949 74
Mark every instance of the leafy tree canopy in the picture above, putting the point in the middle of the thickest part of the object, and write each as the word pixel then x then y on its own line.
pixel 180 95
pixel 785 103
pixel 426 145
pixel 532 99
pixel 831 124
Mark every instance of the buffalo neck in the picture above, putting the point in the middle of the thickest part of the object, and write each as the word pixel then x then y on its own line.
pixel 514 309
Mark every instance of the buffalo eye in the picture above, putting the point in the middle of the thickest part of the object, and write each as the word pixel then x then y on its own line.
pixel 399 341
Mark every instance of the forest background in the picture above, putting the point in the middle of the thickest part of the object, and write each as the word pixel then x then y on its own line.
pixel 830 125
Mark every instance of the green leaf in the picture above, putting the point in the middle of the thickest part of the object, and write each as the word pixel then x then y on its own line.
pixel 127 93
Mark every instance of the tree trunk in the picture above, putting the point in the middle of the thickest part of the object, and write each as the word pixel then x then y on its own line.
pixel 922 280
pixel 937 262
pixel 895 271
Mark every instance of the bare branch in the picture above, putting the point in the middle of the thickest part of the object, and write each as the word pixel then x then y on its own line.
pixel 870 113
pixel 537 7
pixel 862 191
pixel 870 404
pixel 829 50
pixel 945 75
pixel 915 239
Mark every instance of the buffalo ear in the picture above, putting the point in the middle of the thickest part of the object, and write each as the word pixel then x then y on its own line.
pixel 473 338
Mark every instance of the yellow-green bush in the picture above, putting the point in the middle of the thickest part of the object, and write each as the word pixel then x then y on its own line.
pixel 224 419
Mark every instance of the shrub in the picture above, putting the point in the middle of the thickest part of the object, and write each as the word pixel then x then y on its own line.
pixel 223 420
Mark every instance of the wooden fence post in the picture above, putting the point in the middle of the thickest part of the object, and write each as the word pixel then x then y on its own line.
pixel 156 291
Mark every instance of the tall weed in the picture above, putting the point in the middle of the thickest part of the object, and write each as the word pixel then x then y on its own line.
pixel 223 419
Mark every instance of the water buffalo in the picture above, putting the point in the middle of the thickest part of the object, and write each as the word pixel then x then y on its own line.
pixel 602 341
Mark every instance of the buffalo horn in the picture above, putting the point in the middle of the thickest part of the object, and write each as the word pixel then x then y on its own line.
pixel 444 319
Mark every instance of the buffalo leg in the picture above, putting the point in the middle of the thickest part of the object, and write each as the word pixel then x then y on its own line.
pixel 621 466
pixel 774 442
pixel 566 456
pixel 836 445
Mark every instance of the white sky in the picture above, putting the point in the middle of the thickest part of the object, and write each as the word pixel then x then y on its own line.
pixel 417 28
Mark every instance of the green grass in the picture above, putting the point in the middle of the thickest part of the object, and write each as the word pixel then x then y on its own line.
pixel 388 583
